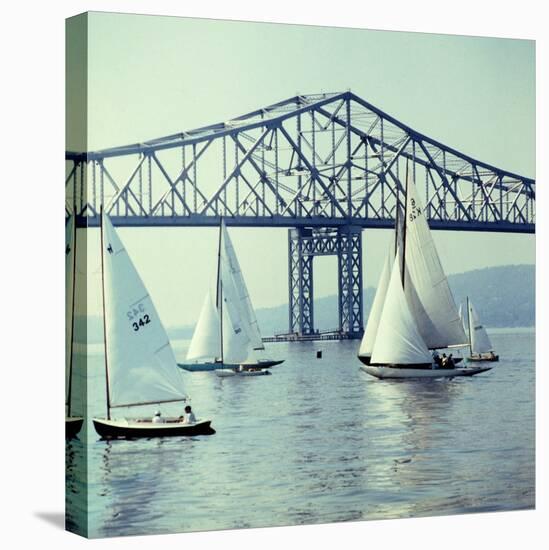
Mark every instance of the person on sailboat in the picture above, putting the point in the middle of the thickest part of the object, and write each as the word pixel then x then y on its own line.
pixel 157 418
pixel 189 417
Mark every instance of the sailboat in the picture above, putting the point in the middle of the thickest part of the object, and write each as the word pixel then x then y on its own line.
pixel 73 424
pixel 416 312
pixel 479 343
pixel 140 366
pixel 227 336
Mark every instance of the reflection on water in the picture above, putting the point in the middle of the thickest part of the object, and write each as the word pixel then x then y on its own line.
pixel 318 441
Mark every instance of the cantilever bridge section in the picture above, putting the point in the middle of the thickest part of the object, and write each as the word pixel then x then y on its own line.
pixel 325 166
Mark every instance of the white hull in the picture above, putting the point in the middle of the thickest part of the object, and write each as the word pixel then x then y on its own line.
pixel 224 373
pixel 395 372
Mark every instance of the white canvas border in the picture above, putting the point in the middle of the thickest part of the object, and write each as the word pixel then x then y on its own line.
pixel 33 140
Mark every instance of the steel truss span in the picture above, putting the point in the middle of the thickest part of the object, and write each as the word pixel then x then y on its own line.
pixel 323 160
pixel 325 166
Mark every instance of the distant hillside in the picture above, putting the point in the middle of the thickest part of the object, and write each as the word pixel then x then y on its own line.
pixel 503 296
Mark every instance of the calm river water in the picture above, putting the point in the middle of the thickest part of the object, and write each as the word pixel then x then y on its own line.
pixel 318 441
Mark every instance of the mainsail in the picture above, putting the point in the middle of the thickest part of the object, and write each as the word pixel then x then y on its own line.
pixel 141 365
pixel 429 296
pixel 249 319
pixel 480 342
pixel 398 340
pixel 228 318
pixel 236 339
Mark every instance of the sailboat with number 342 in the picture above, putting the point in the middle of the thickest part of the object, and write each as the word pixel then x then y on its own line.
pixel 140 366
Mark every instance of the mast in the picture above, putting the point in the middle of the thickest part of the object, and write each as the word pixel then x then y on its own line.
pixel 69 390
pixel 105 318
pixel 469 325
pixel 404 227
pixel 219 289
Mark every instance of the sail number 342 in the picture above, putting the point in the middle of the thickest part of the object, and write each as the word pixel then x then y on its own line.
pixel 138 317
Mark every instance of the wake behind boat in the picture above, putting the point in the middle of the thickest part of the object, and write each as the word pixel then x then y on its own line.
pixel 140 366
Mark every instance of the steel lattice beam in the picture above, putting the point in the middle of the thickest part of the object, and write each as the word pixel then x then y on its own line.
pixel 325 160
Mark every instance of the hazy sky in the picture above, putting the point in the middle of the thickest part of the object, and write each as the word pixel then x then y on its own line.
pixel 152 76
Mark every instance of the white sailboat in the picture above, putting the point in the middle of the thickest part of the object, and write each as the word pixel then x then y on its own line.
pixel 418 312
pixel 73 424
pixel 140 366
pixel 227 334
pixel 480 346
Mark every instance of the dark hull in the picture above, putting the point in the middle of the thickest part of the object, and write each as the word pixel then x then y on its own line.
pixel 205 367
pixel 72 427
pixel 367 361
pixel 109 430
pixel 263 364
pixel 477 359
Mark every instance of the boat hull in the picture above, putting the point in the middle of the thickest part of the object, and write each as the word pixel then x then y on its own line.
pixel 225 373
pixel 73 424
pixel 124 429
pixel 402 373
pixel 263 363
pixel 365 360
pixel 483 358
pixel 202 367
pixel 205 367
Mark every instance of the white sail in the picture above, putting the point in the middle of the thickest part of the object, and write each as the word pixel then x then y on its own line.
pixel 480 342
pixel 398 340
pixel 141 364
pixel 367 343
pixel 429 295
pixel 236 340
pixel 399 236
pixel 248 316
pixel 206 341
pixel 462 318
pixel 70 259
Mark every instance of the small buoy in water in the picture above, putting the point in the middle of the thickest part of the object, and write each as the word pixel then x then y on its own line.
pixel 319 354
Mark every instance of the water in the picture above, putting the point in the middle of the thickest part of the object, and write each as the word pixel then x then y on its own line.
pixel 318 441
